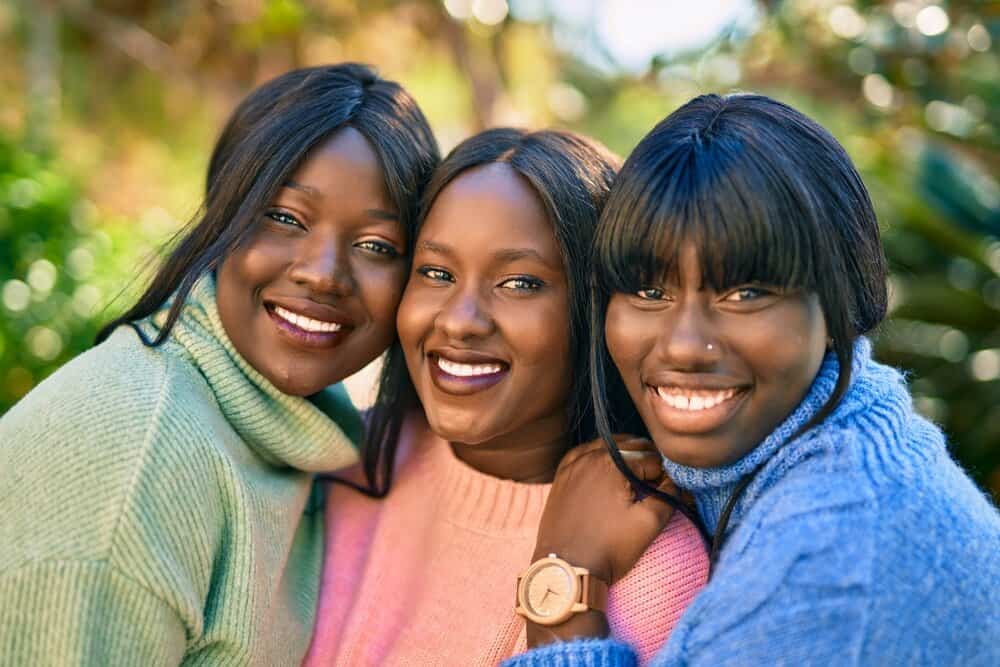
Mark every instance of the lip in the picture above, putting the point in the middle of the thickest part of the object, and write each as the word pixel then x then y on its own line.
pixel 685 421
pixel 300 337
pixel 459 385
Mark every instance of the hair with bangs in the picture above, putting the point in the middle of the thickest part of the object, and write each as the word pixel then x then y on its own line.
pixel 572 176
pixel 765 195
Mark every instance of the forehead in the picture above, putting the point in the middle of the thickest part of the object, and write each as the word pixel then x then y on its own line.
pixel 490 208
pixel 344 167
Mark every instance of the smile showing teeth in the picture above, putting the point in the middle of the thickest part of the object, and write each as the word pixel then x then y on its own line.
pixel 467 370
pixel 683 399
pixel 306 323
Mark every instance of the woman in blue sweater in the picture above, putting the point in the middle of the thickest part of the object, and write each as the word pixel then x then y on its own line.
pixel 739 269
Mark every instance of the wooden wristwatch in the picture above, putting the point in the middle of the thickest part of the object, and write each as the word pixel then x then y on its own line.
pixel 551 590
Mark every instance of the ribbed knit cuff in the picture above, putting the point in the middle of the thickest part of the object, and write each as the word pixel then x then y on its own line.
pixel 579 653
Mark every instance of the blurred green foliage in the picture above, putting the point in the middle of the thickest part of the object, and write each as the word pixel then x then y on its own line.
pixel 120 100
pixel 57 268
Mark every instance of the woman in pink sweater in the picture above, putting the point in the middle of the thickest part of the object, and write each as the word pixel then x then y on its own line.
pixel 480 399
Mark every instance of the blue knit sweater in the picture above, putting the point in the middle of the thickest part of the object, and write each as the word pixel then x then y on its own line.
pixel 859 543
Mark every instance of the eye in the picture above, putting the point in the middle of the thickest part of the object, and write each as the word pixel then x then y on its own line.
pixel 747 293
pixel 283 218
pixel 651 294
pixel 435 274
pixel 378 247
pixel 523 284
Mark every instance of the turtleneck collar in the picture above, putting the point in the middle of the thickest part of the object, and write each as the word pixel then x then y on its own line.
pixel 311 435
pixel 713 486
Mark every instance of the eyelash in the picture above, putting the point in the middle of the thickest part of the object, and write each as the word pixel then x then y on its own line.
pixel 379 247
pixel 657 294
pixel 370 245
pixel 757 293
pixel 283 218
pixel 529 284
pixel 645 293
pixel 435 274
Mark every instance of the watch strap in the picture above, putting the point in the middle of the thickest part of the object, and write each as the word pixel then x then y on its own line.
pixel 595 593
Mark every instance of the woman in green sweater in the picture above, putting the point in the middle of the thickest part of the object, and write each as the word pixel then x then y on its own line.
pixel 155 492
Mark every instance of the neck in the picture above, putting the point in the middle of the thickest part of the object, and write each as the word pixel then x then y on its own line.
pixel 530 454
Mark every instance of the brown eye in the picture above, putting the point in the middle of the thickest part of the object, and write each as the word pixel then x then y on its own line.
pixel 283 218
pixel 523 284
pixel 377 247
pixel 744 294
pixel 435 274
pixel 651 294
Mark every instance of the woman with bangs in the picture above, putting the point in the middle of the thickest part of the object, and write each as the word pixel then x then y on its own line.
pixel 739 271
pixel 479 403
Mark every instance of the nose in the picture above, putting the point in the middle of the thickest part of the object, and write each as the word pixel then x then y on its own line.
pixel 689 341
pixel 465 315
pixel 321 266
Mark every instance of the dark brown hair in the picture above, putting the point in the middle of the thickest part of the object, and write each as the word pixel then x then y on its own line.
pixel 268 137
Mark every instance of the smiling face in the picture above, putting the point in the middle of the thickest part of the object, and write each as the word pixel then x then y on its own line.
pixel 712 373
pixel 484 321
pixel 311 296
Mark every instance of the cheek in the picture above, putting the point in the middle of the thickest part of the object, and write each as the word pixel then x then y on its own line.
pixel 415 318
pixel 623 333
pixel 545 332
pixel 381 292
pixel 789 348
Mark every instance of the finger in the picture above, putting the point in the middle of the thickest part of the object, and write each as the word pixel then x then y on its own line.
pixel 644 465
pixel 657 505
pixel 667 486
pixel 636 444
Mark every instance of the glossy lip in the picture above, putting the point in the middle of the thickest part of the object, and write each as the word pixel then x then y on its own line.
pixel 679 421
pixel 316 340
pixel 456 385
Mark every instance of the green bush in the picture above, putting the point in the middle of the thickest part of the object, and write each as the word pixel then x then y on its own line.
pixel 56 271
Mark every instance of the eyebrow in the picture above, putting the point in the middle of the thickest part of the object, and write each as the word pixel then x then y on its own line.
pixel 308 189
pixel 503 254
pixel 380 213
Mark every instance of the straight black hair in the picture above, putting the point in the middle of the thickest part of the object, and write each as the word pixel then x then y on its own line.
pixel 267 138
pixel 765 195
pixel 572 176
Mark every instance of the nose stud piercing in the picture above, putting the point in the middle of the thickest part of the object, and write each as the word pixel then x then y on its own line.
pixel 711 347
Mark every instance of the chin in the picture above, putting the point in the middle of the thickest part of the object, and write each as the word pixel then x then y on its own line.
pixel 456 432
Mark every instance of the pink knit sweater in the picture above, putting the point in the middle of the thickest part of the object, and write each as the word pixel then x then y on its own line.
pixel 426 576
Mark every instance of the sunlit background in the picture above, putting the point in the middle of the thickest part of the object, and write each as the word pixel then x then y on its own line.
pixel 111 107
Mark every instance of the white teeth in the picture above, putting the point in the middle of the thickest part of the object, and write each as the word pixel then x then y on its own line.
pixel 693 400
pixel 306 323
pixel 467 370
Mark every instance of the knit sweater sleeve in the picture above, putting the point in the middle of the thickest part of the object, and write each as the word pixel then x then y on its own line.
pixel 84 613
pixel 109 516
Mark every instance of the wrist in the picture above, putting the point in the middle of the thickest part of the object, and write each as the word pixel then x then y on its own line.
pixel 591 624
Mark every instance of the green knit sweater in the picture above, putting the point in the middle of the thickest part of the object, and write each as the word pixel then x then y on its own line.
pixel 155 505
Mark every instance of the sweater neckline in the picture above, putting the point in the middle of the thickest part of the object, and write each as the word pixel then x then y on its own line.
pixel 312 435
pixel 468 497
pixel 713 486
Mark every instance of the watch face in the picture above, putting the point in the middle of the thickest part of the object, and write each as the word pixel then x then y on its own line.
pixel 549 590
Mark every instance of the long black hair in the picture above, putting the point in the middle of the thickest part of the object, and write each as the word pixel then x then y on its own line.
pixel 764 194
pixel 267 138
pixel 572 176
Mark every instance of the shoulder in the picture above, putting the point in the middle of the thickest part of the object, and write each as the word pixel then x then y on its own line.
pixel 115 395
pixel 76 451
